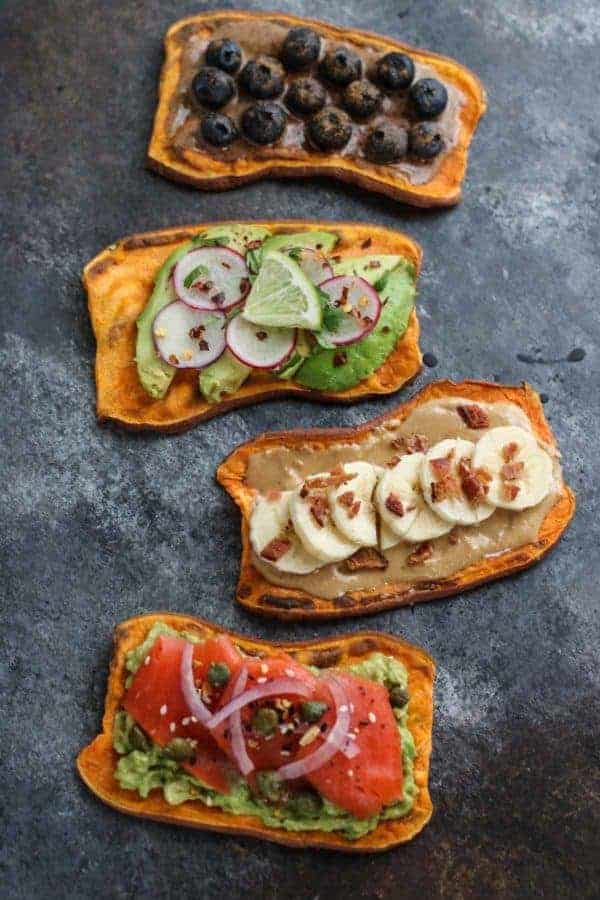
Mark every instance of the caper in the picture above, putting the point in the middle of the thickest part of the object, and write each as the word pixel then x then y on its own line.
pixel 305 805
pixel 138 739
pixel 398 696
pixel 218 674
pixel 265 720
pixel 270 786
pixel 312 710
pixel 180 749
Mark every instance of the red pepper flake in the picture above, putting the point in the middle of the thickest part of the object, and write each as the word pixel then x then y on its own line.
pixel 218 299
pixel 473 416
pixel 196 332
pixel 394 504
pixel 261 335
pixel 253 245
pixel 339 359
pixel 275 549
pixel 420 555
pixel 366 244
pixel 509 451
pixel 511 471
pixel 203 286
pixel 173 360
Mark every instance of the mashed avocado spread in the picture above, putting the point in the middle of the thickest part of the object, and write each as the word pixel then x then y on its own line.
pixel 144 766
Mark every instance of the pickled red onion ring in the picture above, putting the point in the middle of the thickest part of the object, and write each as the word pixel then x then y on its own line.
pixel 188 688
pixel 238 745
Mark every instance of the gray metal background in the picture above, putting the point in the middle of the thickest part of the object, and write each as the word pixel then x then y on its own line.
pixel 99 525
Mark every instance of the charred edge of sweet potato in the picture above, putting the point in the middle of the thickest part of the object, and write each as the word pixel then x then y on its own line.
pixel 119 281
pixel 444 189
pixel 96 762
pixel 260 596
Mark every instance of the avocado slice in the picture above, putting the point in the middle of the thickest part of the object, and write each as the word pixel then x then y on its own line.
pixel 372 267
pixel 236 237
pixel 156 375
pixel 225 376
pixel 311 240
pixel 397 291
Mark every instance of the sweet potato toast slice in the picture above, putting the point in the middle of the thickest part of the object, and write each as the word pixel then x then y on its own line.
pixel 119 282
pixel 209 172
pixel 261 596
pixel 96 762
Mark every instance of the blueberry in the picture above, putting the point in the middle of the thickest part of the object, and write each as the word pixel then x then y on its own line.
pixel 213 88
pixel 301 48
pixel 425 140
pixel 395 71
pixel 264 123
pixel 330 129
pixel 263 77
pixel 429 98
pixel 218 129
pixel 386 143
pixel 306 96
pixel 340 66
pixel 362 99
pixel 224 54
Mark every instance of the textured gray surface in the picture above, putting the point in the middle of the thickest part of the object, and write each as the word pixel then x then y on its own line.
pixel 99 525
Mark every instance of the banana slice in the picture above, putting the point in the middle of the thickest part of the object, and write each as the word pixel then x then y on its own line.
pixel 351 505
pixel 387 537
pixel 521 471
pixel 270 531
pixel 313 523
pixel 401 505
pixel 443 479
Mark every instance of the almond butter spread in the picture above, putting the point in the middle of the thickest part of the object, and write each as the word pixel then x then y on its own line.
pixel 282 468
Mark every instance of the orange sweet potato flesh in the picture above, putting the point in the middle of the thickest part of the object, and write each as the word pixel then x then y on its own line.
pixel 208 173
pixel 260 596
pixel 96 763
pixel 119 282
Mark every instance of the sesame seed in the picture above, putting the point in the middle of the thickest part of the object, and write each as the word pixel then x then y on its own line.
pixel 163 709
pixel 185 721
pixel 290 673
pixel 261 680
pixel 208 801
pixel 147 661
pixel 351 736
pixel 372 717
pixel 285 753
pixel 172 727
pixel 343 708
pixel 264 668
pixel 350 773
pixel 310 735
pixel 193 718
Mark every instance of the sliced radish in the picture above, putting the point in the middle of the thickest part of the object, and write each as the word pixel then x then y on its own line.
pixel 314 265
pixel 359 302
pixel 260 347
pixel 188 338
pixel 211 278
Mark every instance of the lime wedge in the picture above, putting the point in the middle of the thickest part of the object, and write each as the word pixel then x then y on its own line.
pixel 282 296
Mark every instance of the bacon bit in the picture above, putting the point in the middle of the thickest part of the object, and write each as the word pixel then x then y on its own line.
pixel 474 487
pixel 441 466
pixel 203 345
pixel 511 471
pixel 509 451
pixel 421 554
pixel 453 537
pixel 339 359
pixel 366 558
pixel 510 491
pixel 275 549
pixel 244 285
pixel 173 360
pixel 261 335
pixel 346 499
pixel 354 509
pixel 395 505
pixel 319 509
pixel 366 244
pixel 393 461
pixel 415 443
pixel 253 245
pixel 473 416
pixel 272 496
pixel 196 332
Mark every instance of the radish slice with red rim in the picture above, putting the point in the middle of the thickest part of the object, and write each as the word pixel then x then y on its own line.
pixel 314 265
pixel 336 740
pixel 188 687
pixel 215 278
pixel 188 338
pixel 260 347
pixel 359 303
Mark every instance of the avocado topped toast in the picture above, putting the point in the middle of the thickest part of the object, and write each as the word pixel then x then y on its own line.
pixel 324 743
pixel 459 486
pixel 244 95
pixel 191 322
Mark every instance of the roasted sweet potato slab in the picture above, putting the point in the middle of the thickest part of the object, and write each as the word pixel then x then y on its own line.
pixel 96 762
pixel 207 172
pixel 261 596
pixel 119 282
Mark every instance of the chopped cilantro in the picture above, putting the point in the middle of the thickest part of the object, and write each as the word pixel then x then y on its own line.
pixel 194 275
